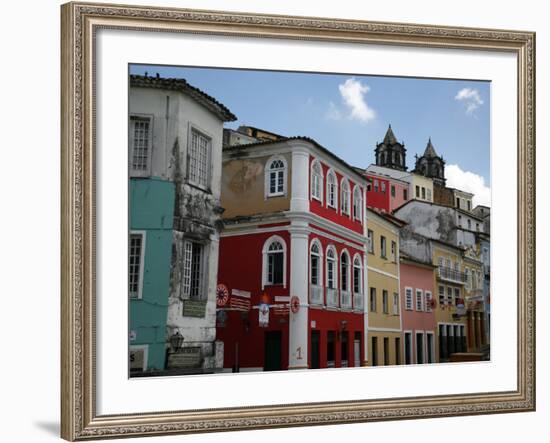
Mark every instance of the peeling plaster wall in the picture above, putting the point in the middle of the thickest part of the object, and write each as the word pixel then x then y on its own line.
pixel 415 245
pixel 430 220
pixel 197 211
pixel 438 222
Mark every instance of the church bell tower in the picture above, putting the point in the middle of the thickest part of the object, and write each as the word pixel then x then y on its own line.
pixel 390 153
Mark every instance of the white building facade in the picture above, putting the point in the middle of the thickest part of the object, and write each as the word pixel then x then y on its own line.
pixel 176 134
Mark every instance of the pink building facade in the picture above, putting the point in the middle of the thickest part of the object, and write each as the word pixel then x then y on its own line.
pixel 385 192
pixel 418 311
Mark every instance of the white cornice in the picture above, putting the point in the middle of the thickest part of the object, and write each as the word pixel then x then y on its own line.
pixel 327 224
pixel 387 274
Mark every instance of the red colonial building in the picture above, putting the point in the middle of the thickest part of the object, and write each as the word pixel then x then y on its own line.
pixel 292 258
pixel 384 192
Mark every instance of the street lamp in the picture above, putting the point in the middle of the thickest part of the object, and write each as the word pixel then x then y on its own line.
pixel 176 341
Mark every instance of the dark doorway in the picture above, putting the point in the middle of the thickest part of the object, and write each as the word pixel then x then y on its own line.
pixel 430 347
pixel 408 357
pixel 386 351
pixel 331 349
pixel 272 351
pixel 344 349
pixel 419 348
pixel 315 350
pixel 397 350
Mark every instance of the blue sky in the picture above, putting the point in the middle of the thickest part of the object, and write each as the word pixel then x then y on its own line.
pixel 349 113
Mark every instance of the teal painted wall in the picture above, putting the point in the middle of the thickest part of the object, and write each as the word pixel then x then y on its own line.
pixel 152 211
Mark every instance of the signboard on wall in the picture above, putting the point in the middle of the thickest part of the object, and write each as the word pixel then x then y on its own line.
pixel 263 315
pixel 185 358
pixel 137 359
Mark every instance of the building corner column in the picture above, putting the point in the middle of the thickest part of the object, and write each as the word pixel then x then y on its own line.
pixel 298 352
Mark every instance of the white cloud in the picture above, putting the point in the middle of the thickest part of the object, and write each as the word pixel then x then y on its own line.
pixel 471 99
pixel 469 182
pixel 333 113
pixel 353 93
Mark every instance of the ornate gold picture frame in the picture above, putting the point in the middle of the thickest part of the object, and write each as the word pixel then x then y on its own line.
pixel 80 23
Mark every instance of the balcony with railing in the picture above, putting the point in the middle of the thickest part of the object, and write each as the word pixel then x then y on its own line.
pixel 345 299
pixel 316 295
pixel 452 275
pixel 332 298
pixel 336 298
pixel 358 301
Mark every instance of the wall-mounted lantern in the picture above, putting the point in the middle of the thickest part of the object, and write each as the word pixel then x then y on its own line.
pixel 176 341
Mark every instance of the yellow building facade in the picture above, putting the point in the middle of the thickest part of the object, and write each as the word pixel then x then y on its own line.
pixel 384 313
pixel 422 188
pixel 473 297
pixel 450 310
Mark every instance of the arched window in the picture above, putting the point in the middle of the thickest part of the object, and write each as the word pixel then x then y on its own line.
pixel 316 180
pixel 357 274
pixel 344 197
pixel 315 266
pixel 344 271
pixel 383 157
pixel 275 177
pixel 332 190
pixel 331 268
pixel 274 262
pixel 357 204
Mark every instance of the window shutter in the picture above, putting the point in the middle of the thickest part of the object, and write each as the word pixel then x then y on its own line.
pixel 187 260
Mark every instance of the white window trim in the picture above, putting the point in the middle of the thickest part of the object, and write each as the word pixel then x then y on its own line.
pixel 320 255
pixel 348 199
pixel 370 241
pixel 265 249
pixel 203 268
pixel 375 299
pixel 428 297
pixel 145 349
pixel 319 197
pixel 385 309
pixel 407 289
pixel 416 293
pixel 357 189
pixel 357 256
pixel 393 250
pixel 383 247
pixel 132 171
pixel 350 265
pixel 332 174
pixel 336 273
pixel 141 262
pixel 439 302
pixel 194 128
pixel 395 297
pixel 270 160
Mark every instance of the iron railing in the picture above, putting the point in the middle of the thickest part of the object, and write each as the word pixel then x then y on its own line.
pixel 446 273
pixel 316 295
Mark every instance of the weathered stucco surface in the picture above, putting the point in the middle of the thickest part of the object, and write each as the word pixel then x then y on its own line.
pixel 439 223
pixel 197 211
pixel 243 184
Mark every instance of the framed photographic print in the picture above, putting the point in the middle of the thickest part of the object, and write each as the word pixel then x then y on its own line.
pixel 282 221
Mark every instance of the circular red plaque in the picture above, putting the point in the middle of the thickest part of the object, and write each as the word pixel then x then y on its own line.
pixel 222 295
pixel 294 304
